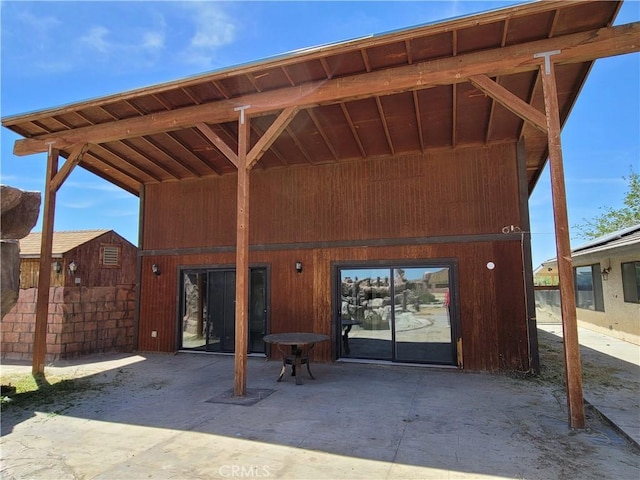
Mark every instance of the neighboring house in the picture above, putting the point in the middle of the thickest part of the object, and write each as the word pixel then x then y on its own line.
pixel 326 187
pixel 92 299
pixel 607 281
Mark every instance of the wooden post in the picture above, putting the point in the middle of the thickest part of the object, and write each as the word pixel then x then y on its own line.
pixel 573 372
pixel 242 259
pixel 44 276
pixel 525 224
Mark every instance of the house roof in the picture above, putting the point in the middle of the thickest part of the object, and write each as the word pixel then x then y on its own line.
pixel 626 237
pixel 621 238
pixel 402 92
pixel 62 242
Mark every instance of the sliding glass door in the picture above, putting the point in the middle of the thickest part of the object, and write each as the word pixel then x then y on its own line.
pixel 207 320
pixel 397 313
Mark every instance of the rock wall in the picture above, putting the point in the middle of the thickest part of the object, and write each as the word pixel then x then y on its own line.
pixel 18 215
pixel 81 321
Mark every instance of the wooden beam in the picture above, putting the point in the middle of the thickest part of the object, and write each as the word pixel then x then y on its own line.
pixel 511 102
pixel 242 260
pixel 575 48
pixel 74 159
pixel 575 401
pixel 527 261
pixel 385 126
pixel 44 274
pixel 270 136
pixel 220 144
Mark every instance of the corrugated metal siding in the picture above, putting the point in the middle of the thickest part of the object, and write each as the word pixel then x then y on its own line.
pixel 391 198
pixel 470 191
pixel 492 307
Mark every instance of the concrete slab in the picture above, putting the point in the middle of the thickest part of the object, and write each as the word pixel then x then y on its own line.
pixel 149 417
pixel 611 377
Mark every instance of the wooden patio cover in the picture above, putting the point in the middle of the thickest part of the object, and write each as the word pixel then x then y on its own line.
pixel 502 76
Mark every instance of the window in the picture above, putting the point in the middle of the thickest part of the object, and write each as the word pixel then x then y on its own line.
pixel 631 282
pixel 589 287
pixel 110 256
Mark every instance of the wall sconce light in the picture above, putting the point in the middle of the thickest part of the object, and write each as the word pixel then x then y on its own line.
pixel 299 266
pixel 73 267
pixel 155 269
pixel 605 273
pixel 56 267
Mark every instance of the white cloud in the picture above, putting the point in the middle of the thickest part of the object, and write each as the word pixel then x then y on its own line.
pixel 96 39
pixel 78 204
pixel 42 40
pixel 213 28
pixel 136 46
pixel 121 213
pixel 597 180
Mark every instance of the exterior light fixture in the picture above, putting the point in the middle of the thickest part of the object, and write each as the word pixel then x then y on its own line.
pixel 56 267
pixel 605 273
pixel 299 266
pixel 73 267
pixel 155 269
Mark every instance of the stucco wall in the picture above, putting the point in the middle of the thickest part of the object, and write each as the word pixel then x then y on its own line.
pixel 620 319
pixel 81 321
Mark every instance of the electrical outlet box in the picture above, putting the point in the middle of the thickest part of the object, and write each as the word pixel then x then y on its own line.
pixel 154 333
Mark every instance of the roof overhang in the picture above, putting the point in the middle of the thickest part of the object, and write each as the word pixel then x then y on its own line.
pixel 465 82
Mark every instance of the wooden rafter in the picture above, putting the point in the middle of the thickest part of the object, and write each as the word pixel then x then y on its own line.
pixel 300 146
pixel 144 170
pixel 176 159
pixel 94 153
pixel 575 48
pixel 407 48
pixel 323 134
pixel 365 59
pixel 326 68
pixel 385 126
pixel 354 131
pixel 190 153
pixel 416 107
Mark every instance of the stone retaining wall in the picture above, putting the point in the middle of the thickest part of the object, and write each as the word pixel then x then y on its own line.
pixel 81 321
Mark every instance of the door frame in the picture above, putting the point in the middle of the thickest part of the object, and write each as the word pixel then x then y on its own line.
pixel 454 304
pixel 204 268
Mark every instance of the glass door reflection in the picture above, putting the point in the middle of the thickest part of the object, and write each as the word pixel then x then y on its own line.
pixel 422 325
pixel 397 314
pixel 365 314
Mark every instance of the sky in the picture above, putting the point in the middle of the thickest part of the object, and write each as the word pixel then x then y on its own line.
pixel 55 53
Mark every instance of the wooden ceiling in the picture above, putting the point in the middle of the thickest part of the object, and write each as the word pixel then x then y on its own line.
pixel 391 94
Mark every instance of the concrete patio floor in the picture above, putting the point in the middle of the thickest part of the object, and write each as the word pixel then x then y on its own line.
pixel 156 416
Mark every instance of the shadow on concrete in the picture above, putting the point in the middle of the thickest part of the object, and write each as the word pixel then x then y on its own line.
pixel 150 415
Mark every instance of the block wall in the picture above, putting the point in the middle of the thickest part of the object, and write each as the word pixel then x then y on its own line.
pixel 81 321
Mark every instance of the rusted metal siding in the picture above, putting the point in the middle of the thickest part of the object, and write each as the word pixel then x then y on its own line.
pixel 468 191
pixel 313 214
pixel 492 305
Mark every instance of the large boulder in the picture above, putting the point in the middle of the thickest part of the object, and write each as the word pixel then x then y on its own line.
pixel 18 215
pixel 10 251
pixel 19 212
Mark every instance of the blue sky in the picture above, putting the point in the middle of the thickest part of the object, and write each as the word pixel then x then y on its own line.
pixel 54 53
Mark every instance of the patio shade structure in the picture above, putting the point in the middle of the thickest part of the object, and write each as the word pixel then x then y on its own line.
pixel 502 76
